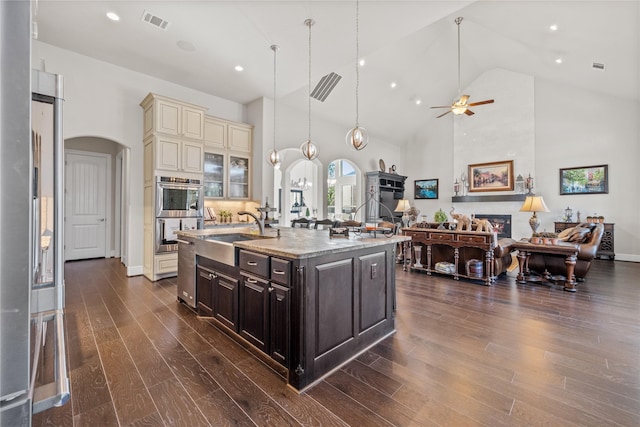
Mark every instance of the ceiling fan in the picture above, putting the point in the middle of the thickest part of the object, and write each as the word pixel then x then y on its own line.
pixel 460 105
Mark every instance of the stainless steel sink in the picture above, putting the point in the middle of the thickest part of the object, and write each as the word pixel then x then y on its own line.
pixel 219 247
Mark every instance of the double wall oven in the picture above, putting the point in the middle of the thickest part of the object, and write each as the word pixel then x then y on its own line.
pixel 179 206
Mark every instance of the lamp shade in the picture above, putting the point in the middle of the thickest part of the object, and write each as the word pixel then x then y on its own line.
pixel 534 204
pixel 403 205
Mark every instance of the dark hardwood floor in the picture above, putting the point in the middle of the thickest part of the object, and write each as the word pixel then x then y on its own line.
pixel 463 355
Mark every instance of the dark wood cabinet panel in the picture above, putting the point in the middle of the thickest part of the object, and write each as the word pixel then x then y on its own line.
pixel 254 311
pixel 280 310
pixel 225 300
pixel 204 291
pixel 373 290
pixel 335 306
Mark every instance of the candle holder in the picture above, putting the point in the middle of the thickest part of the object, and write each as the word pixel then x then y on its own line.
pixel 529 185
pixel 456 187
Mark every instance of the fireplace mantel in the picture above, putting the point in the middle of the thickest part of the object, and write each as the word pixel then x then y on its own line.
pixel 492 198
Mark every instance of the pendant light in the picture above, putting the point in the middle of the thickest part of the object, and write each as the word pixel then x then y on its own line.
pixel 274 156
pixel 309 149
pixel 357 137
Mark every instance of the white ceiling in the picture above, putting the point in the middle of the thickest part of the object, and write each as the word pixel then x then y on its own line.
pixel 411 42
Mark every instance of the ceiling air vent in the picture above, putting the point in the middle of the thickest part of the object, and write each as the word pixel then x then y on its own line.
pixel 598 66
pixel 325 86
pixel 154 20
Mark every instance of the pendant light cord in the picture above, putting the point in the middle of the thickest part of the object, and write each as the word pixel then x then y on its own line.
pixel 458 21
pixel 309 23
pixel 357 58
pixel 275 49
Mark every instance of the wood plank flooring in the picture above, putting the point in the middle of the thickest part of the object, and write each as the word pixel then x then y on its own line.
pixel 463 355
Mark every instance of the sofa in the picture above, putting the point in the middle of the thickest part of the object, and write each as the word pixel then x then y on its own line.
pixel 587 236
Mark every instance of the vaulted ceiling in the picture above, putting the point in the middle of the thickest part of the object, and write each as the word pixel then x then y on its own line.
pixel 412 43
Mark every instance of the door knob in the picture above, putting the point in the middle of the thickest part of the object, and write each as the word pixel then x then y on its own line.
pixel 101 220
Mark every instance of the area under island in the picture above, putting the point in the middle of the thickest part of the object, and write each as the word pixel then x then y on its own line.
pixel 308 301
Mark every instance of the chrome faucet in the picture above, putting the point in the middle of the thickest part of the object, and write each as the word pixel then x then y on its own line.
pixel 259 221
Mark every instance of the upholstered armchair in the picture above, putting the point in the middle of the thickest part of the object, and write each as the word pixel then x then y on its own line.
pixel 502 256
pixel 586 236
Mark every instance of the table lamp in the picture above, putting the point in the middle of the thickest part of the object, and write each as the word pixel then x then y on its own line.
pixel 534 204
pixel 404 206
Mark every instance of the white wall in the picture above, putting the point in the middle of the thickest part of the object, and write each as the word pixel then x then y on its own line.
pixel 102 100
pixel 573 127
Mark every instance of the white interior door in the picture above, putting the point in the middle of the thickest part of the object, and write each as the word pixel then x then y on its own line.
pixel 85 205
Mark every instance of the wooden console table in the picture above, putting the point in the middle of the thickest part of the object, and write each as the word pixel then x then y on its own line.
pixel 606 247
pixel 569 250
pixel 456 247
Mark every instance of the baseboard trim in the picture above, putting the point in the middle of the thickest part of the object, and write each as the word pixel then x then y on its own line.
pixel 134 271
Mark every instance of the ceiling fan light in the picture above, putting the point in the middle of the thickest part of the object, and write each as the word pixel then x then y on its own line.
pixel 309 150
pixel 458 109
pixel 357 138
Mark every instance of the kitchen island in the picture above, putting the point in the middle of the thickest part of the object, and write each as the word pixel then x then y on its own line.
pixel 305 300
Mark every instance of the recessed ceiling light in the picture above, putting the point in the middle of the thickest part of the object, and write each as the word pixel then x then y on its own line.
pixel 558 60
pixel 393 85
pixel 113 16
pixel 418 101
pixel 553 27
pixel 361 62
pixel 239 68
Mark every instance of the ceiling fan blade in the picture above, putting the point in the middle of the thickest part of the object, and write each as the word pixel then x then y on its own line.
pixel 488 101
pixel 463 99
pixel 443 114
pixel 469 112
pixel 447 106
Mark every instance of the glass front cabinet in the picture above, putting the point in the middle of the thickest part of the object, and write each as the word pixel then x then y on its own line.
pixel 214 170
pixel 226 176
pixel 238 176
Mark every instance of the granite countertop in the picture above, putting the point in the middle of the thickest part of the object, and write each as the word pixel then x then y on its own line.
pixel 302 243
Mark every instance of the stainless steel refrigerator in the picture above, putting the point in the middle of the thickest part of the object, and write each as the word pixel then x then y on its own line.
pixel 33 372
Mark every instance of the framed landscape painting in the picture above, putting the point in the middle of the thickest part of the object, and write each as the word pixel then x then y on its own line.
pixel 426 189
pixel 584 180
pixel 495 176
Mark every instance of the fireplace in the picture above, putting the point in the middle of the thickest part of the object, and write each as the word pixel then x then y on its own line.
pixel 501 223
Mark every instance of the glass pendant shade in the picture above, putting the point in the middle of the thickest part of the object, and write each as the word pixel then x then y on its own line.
pixel 309 150
pixel 273 158
pixel 357 138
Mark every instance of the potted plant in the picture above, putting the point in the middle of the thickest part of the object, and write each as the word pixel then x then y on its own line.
pixel 440 217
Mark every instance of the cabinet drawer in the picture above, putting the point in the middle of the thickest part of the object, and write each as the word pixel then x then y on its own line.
pixel 442 237
pixel 166 263
pixel 281 271
pixel 472 239
pixel 252 262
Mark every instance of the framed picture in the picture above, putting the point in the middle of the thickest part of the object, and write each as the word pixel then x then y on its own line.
pixel 495 176
pixel 584 180
pixel 425 189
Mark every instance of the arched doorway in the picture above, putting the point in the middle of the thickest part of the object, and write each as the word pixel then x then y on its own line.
pixel 95 175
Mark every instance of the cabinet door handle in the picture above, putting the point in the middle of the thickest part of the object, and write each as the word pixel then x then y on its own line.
pixel 252 263
pixel 280 272
pixel 250 280
pixel 212 276
pixel 270 289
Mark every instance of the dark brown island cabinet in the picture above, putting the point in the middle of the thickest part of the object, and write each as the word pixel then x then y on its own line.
pixel 306 301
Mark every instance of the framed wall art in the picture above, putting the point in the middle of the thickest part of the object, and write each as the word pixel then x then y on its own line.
pixel 425 189
pixel 495 176
pixel 584 180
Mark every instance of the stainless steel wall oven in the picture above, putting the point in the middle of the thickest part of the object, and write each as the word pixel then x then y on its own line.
pixel 179 197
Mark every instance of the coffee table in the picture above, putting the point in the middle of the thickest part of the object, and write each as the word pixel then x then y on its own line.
pixel 568 250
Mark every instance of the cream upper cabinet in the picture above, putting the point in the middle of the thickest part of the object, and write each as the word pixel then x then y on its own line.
pixel 172 117
pixel 176 155
pixel 215 132
pixel 225 134
pixel 240 137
